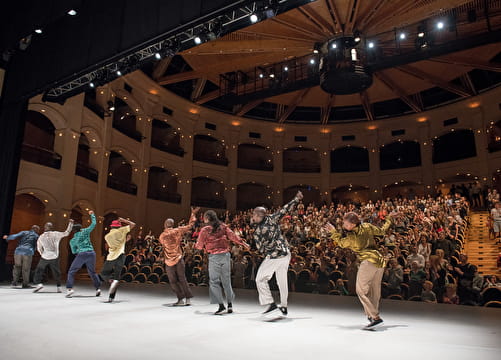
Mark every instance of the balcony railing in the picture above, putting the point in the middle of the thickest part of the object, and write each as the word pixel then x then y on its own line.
pixel 41 156
pixel 302 168
pixel 164 196
pixel 209 203
pixel 263 166
pixel 169 149
pixel 132 133
pixel 84 170
pixel 122 185
pixel 211 159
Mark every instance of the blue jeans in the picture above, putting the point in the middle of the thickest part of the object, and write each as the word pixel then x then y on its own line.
pixel 220 276
pixel 89 259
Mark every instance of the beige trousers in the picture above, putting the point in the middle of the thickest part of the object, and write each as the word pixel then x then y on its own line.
pixel 369 287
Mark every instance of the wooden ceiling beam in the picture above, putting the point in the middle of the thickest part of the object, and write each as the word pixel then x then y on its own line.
pixel 313 35
pixel 371 12
pixel 248 107
pixel 208 97
pixel 435 80
pixel 292 105
pixel 325 110
pixel 468 62
pixel 366 103
pixel 161 67
pixel 336 19
pixel 352 15
pixel 198 89
pixel 397 90
pixel 317 20
pixel 175 78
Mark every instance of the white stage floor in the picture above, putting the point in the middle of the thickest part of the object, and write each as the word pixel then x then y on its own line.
pixel 139 325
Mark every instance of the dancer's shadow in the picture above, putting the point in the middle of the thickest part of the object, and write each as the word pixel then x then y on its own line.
pixel 115 301
pixel 357 327
pixel 82 296
pixel 279 319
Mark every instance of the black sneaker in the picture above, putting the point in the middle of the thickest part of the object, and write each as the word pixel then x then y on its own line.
pixel 283 309
pixel 374 323
pixel 13 285
pixel 230 308
pixel 27 287
pixel 221 310
pixel 272 308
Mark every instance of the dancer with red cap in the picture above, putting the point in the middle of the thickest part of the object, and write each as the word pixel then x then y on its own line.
pixel 112 268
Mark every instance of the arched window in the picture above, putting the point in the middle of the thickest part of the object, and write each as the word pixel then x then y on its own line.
pixel 125 120
pixel 456 145
pixel 254 157
pixel 209 150
pixel 38 141
pixel 164 137
pixel 399 154
pixel 349 159
pixel 250 195
pixel 83 156
pixel 301 160
pixel 162 185
pixel 207 192
pixel 120 174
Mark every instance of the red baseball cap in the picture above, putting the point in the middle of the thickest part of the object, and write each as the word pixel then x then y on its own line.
pixel 115 224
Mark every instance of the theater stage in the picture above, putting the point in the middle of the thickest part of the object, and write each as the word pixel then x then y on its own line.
pixel 140 325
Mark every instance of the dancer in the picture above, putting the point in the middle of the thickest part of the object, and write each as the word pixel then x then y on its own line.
pixel 82 247
pixel 48 247
pixel 170 239
pixel 215 238
pixel 23 254
pixel 271 243
pixel 359 237
pixel 112 268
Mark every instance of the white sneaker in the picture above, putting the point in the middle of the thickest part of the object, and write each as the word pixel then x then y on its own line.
pixel 187 302
pixel 98 292
pixel 38 288
pixel 58 290
pixel 70 293
pixel 180 302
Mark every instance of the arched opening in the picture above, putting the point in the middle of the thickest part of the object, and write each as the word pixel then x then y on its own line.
pixel 301 160
pixel 125 120
pixel 165 138
pixel 207 192
pixel 494 137
pixel 120 174
pixel 38 141
pixel 399 155
pixel 209 150
pixel 349 159
pixel 456 145
pixel 28 211
pixel 254 157
pixel 250 195
pixel 350 194
pixel 403 189
pixel 311 194
pixel 83 160
pixel 162 185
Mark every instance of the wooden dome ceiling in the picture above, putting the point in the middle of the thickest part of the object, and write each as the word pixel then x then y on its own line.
pixel 404 88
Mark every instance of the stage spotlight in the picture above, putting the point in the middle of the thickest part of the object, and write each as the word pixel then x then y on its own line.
pixel 111 106
pixel 440 25
pixel 261 76
pixel 72 12
pixel 158 56
pixel 371 45
pixel 254 18
pixel 286 68
pixel 334 45
pixel 119 73
pixel 402 36
pixel 312 61
pixel 356 37
pixel 38 31
pixel 91 84
pixel 197 40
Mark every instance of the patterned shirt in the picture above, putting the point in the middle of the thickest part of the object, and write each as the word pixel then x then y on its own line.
pixel 81 240
pixel 27 242
pixel 268 236
pixel 48 243
pixel 218 242
pixel 171 242
pixel 361 240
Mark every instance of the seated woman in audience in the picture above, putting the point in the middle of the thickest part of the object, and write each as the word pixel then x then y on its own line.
pixel 450 296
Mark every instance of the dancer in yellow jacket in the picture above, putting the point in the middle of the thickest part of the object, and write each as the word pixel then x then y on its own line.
pixel 359 237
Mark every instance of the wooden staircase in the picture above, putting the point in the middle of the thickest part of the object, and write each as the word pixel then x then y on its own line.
pixel 481 250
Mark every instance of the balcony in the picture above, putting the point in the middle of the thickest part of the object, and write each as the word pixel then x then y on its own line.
pixel 164 196
pixel 84 170
pixel 211 159
pixel 209 203
pixel 41 156
pixel 256 165
pixel 302 168
pixel 122 185
pixel 166 148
